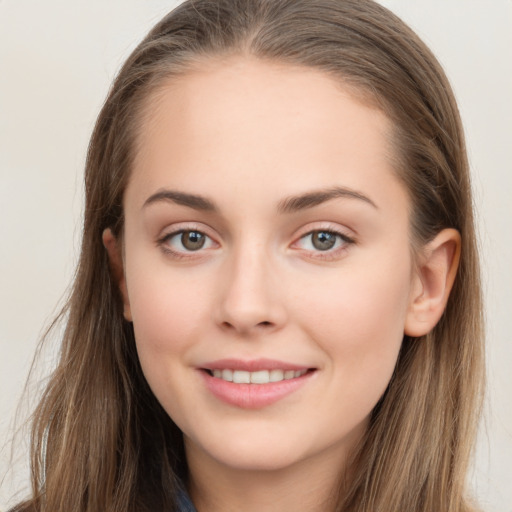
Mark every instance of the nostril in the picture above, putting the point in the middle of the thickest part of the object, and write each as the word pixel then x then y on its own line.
pixel 265 325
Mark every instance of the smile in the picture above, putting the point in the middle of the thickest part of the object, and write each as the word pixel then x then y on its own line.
pixel 254 384
pixel 257 377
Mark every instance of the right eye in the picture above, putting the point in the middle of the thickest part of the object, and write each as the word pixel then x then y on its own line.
pixel 185 241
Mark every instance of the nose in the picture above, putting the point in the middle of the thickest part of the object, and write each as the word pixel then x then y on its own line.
pixel 250 299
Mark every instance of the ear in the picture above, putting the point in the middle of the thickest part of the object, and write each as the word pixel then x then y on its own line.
pixel 437 268
pixel 115 256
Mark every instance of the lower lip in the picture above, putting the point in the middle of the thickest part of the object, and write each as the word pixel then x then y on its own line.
pixel 253 396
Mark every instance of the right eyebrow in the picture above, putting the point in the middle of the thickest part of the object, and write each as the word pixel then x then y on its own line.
pixel 194 201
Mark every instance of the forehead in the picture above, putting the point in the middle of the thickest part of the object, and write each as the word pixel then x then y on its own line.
pixel 249 124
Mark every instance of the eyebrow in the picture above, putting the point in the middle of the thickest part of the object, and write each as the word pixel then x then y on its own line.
pixel 182 198
pixel 315 198
pixel 288 205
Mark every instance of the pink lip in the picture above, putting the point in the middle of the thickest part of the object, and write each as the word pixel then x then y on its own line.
pixel 252 396
pixel 252 365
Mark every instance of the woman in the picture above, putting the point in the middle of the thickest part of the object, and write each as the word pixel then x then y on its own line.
pixel 271 187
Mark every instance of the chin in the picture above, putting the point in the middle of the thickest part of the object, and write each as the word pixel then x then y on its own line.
pixel 256 452
pixel 268 459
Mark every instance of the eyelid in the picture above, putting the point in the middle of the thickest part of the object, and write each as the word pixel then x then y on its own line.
pixel 179 227
pixel 175 229
pixel 331 254
pixel 332 227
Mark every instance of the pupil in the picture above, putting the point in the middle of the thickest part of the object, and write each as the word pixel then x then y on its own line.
pixel 323 240
pixel 192 240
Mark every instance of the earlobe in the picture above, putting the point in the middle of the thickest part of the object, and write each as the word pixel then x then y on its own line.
pixel 435 275
pixel 115 256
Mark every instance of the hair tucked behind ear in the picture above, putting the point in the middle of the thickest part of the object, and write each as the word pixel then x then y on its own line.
pixel 100 439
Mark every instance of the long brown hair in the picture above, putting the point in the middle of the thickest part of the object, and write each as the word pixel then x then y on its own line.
pixel 100 439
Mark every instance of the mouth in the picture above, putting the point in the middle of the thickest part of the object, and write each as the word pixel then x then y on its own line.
pixel 256 377
pixel 254 384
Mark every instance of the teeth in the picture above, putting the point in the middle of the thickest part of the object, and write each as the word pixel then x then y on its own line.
pixel 227 375
pixel 276 375
pixel 241 377
pixel 261 377
pixel 258 377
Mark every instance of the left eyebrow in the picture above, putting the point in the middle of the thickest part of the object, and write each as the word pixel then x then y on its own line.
pixel 317 197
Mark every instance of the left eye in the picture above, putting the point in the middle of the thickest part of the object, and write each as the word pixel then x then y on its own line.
pixel 188 241
pixel 322 240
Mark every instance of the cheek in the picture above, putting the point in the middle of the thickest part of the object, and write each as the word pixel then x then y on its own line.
pixel 167 308
pixel 361 306
pixel 167 313
pixel 358 321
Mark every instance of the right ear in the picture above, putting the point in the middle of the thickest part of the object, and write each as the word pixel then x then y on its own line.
pixel 115 256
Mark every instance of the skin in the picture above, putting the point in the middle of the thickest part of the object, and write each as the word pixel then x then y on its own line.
pixel 246 136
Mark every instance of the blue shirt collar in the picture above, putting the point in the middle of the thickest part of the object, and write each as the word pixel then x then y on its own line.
pixel 184 502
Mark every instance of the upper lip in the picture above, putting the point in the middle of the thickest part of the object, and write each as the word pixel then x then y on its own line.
pixel 252 365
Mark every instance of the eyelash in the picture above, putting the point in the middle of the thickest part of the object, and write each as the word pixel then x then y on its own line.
pixel 164 241
pixel 341 243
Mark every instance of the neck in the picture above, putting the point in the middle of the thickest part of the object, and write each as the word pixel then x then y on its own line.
pixel 311 485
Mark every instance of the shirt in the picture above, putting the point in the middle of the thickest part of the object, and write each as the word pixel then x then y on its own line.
pixel 184 502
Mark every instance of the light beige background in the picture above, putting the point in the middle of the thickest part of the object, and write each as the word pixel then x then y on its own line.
pixel 57 59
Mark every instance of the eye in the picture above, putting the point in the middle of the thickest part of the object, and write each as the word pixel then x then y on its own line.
pixel 186 241
pixel 323 240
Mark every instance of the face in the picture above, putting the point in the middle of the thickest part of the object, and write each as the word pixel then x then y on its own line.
pixel 267 262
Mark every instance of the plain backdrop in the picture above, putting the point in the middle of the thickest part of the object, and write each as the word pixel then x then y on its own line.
pixel 57 59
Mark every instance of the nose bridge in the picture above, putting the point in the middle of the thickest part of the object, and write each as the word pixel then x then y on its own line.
pixel 250 297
